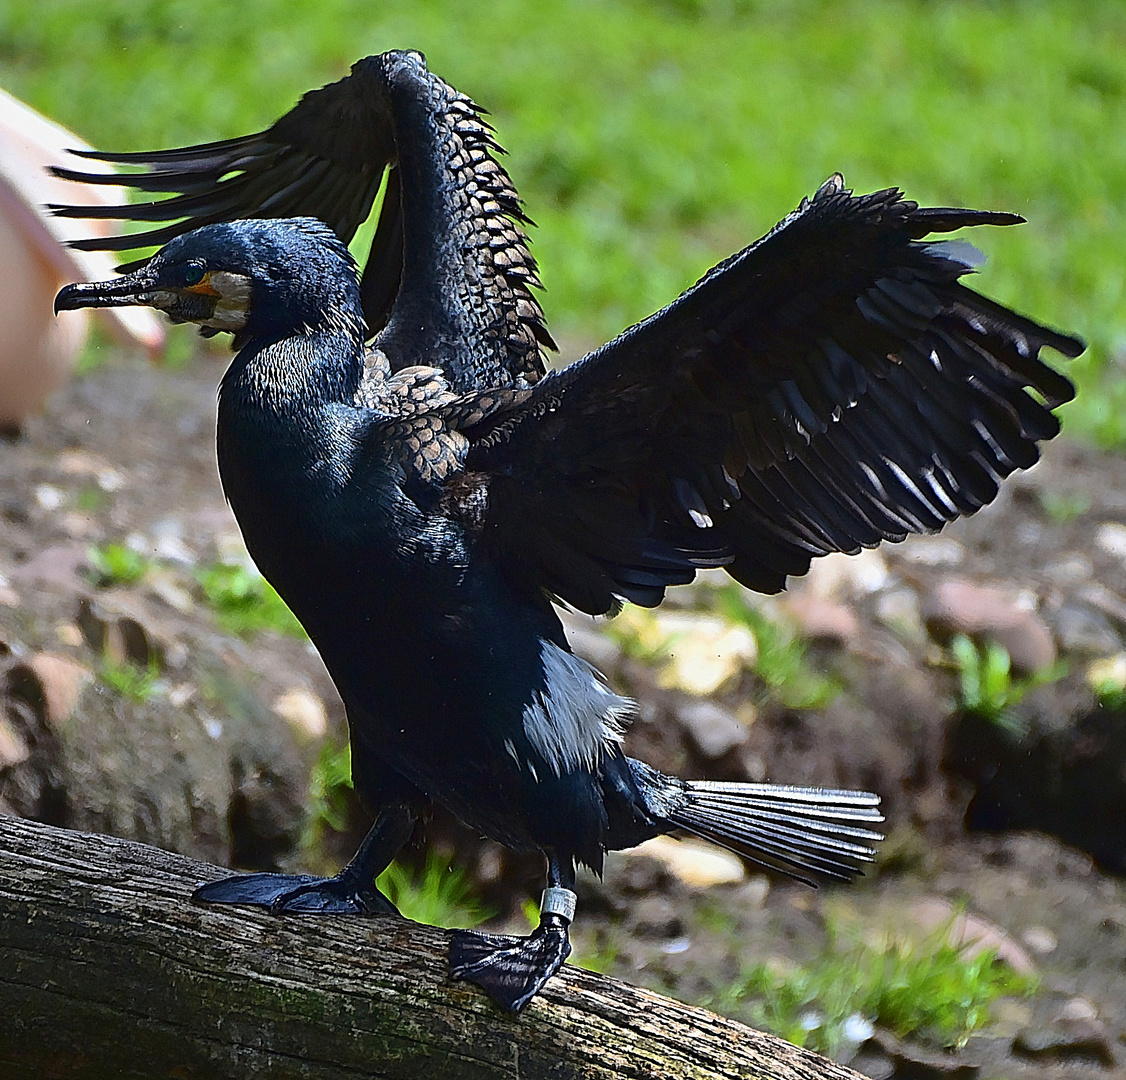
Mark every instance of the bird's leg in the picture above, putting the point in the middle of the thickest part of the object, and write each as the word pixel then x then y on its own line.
pixel 512 970
pixel 351 892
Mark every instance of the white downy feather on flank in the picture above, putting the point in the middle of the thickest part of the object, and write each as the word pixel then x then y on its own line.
pixel 576 717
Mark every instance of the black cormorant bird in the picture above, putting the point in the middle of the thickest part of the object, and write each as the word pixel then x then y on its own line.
pixel 421 498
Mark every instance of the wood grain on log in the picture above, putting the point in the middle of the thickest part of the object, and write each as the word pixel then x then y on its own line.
pixel 107 970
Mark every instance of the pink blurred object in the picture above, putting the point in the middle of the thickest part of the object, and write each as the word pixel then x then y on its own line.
pixel 37 350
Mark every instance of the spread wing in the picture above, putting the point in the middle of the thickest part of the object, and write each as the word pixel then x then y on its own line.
pixel 327 158
pixel 829 387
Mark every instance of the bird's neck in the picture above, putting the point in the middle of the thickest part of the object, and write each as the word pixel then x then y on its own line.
pixel 287 377
pixel 285 445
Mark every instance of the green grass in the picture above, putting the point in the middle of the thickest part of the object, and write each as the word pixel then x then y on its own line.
pixel 130 680
pixel 930 990
pixel 330 789
pixel 116 564
pixel 652 137
pixel 244 602
pixel 987 685
pixel 781 667
pixel 439 894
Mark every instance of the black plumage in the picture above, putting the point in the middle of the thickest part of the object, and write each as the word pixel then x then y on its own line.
pixel 419 498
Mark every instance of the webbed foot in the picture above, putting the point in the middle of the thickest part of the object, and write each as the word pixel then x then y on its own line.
pixel 511 970
pixel 298 894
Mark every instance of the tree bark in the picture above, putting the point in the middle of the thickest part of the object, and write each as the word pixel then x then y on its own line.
pixel 108 970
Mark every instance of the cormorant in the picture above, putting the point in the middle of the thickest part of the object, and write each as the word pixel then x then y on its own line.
pixel 420 499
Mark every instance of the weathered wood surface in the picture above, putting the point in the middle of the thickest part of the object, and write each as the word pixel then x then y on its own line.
pixel 107 970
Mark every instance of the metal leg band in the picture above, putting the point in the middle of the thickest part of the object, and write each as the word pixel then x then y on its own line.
pixel 558 901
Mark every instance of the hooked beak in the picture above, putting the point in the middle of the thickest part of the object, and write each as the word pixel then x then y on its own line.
pixel 134 288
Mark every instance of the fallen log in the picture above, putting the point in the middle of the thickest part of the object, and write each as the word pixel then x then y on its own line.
pixel 108 970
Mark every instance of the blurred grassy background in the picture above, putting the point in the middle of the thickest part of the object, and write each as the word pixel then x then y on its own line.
pixel 650 138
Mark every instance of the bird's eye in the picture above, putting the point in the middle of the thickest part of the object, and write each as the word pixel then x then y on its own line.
pixel 194 273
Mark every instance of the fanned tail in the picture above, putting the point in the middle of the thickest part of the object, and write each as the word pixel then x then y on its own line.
pixel 806 833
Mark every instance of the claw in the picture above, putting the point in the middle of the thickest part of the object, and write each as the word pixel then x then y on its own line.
pixel 511 970
pixel 297 894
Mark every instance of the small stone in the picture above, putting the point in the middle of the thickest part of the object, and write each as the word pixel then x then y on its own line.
pixel 303 711
pixel 79 526
pixel 934 551
pixel 76 462
pixel 1070 570
pixel 992 612
pixel 180 694
pixel 1077 1009
pixel 705 652
pixel 971 933
pixel 898 610
pixel 51 684
pixel 168 541
pixel 1081 629
pixel 49 497
pixel 713 731
pixel 657 917
pixel 1070 1041
pixel 1040 940
pixel 857 1029
pixel 838 576
pixel 1110 537
pixel 696 863
pixel 56 566
pixel 166 586
pixel 13 746
pixel 820 619
pixel 754 891
pixel 1010 1016
pixel 590 642
pixel 1110 604
pixel 69 634
pixel 110 479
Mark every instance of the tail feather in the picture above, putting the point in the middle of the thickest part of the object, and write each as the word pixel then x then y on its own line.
pixel 807 833
pixel 815 836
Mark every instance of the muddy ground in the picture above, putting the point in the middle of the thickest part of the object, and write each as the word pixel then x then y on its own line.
pixel 1020 826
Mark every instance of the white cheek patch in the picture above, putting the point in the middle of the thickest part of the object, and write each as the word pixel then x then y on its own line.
pixel 234 300
pixel 576 718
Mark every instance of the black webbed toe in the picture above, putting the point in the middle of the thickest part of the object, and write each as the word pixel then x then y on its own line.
pixel 297 894
pixel 511 970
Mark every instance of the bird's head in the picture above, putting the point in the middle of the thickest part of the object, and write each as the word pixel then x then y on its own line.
pixel 262 277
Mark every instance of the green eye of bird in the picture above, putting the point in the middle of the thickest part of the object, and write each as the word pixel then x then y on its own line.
pixel 194 273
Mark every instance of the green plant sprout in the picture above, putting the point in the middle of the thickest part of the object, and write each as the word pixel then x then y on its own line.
pixel 128 679
pixel 1107 678
pixel 116 564
pixel 244 602
pixel 1064 506
pixel 330 785
pixel 781 665
pixel 987 686
pixel 439 894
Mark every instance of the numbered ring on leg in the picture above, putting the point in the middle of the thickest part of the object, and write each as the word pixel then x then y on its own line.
pixel 558 901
